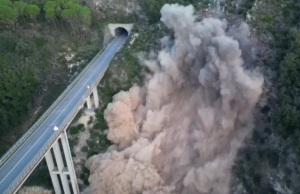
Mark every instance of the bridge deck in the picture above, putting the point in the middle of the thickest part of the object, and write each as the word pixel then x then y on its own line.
pixel 24 155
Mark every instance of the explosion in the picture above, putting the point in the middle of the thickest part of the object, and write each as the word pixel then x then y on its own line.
pixel 181 131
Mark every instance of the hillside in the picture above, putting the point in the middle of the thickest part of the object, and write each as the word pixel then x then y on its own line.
pixel 268 161
pixel 40 54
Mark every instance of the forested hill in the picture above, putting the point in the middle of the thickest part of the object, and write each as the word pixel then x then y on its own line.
pixel 35 36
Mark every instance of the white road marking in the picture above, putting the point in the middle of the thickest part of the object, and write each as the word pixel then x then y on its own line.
pixel 56 117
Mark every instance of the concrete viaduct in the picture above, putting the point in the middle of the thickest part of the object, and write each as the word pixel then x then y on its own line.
pixel 48 135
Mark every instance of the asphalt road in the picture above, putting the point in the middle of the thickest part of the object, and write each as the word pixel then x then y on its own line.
pixel 15 165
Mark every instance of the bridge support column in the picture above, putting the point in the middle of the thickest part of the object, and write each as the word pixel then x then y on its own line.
pixel 70 165
pixel 88 102
pixel 53 175
pixel 60 169
pixel 96 97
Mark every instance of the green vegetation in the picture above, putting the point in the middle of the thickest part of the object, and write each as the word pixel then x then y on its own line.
pixel 28 55
pixel 267 18
pixel 8 15
pixel 121 17
pixel 33 68
pixel 77 16
pixel 276 136
pixel 20 7
pixel 40 177
pixel 35 36
pixel 287 113
pixel 76 129
pixel 29 61
pixel 31 64
pixel 14 95
pixel 73 142
pixel 32 11
pixel 240 10
pixel 50 11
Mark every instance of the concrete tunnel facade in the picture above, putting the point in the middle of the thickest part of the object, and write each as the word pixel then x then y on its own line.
pixel 115 28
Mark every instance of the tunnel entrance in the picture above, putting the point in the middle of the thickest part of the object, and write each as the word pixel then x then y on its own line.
pixel 121 30
pixel 124 29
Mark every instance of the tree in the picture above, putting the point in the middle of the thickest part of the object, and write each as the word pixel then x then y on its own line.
pixel 76 8
pixel 49 9
pixel 85 16
pixel 69 4
pixel 8 15
pixel 50 15
pixel 20 6
pixel 6 3
pixel 60 3
pixel 152 9
pixel 58 11
pixel 50 5
pixel 77 16
pixel 15 95
pixel 32 11
pixel 68 15
pixel 72 16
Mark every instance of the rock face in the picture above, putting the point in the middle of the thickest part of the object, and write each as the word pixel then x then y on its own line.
pixel 126 6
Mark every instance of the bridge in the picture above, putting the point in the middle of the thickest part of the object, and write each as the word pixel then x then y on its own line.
pixel 48 135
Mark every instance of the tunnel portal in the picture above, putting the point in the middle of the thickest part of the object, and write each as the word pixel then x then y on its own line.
pixel 115 29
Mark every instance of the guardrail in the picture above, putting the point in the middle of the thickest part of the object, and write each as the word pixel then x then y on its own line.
pixel 54 137
pixel 34 127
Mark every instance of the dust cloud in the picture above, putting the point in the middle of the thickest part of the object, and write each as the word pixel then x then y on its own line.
pixel 34 190
pixel 181 131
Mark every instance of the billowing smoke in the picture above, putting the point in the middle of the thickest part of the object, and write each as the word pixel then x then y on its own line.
pixel 180 133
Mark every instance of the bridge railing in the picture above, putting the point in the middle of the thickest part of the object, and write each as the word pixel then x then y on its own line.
pixel 35 126
pixel 30 166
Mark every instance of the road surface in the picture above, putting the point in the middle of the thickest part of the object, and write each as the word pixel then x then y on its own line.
pixel 23 156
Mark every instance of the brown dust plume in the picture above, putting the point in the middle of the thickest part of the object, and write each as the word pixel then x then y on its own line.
pixel 181 131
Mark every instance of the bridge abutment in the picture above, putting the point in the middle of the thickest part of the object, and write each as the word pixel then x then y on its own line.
pixel 62 170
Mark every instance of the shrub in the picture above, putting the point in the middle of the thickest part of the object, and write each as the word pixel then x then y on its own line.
pixel 90 143
pixel 39 41
pixel 84 148
pixel 74 130
pixel 273 157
